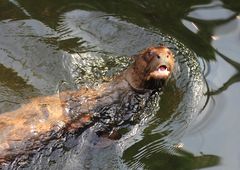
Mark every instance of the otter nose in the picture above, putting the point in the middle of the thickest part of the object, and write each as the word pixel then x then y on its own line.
pixel 164 60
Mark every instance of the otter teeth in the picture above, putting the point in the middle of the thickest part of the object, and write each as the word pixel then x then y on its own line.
pixel 163 68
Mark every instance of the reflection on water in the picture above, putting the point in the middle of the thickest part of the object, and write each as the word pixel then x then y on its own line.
pixel 84 43
pixel 13 91
pixel 233 79
pixel 222 30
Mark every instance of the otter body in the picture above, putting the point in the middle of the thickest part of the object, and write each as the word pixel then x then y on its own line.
pixel 46 118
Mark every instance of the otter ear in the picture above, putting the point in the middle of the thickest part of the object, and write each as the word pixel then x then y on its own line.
pixel 146 55
pixel 135 57
pixel 142 54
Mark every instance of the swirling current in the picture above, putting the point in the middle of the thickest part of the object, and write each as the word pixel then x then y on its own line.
pixel 106 42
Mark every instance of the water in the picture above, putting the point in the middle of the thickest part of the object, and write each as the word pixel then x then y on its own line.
pixel 194 124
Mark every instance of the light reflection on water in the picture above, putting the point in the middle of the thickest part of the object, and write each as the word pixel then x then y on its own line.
pixel 86 43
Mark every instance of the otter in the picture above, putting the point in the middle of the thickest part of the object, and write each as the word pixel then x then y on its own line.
pixel 46 118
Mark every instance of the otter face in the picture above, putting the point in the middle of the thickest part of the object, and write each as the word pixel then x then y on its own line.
pixel 151 68
pixel 157 63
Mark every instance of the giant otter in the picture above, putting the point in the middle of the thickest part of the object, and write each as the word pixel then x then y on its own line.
pixel 46 118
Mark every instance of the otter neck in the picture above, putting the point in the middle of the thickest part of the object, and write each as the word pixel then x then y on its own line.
pixel 135 79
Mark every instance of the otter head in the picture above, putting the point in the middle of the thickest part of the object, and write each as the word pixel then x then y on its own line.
pixel 151 68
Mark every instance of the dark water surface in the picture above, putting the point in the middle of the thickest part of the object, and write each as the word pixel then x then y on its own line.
pixel 194 124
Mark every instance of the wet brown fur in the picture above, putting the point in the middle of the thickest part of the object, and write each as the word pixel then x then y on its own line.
pixel 42 115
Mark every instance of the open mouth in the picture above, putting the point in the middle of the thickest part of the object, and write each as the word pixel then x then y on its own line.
pixel 163 68
pixel 162 72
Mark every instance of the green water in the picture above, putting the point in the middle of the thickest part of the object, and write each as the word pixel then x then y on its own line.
pixel 43 43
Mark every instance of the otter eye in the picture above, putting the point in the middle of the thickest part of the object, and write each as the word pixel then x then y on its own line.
pixel 151 53
pixel 169 53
